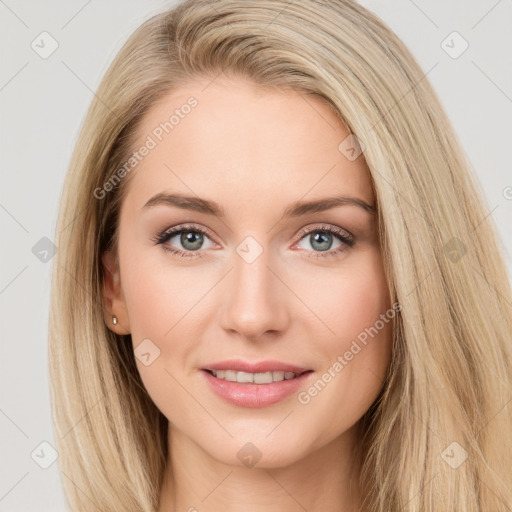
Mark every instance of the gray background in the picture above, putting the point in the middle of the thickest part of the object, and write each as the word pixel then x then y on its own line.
pixel 43 103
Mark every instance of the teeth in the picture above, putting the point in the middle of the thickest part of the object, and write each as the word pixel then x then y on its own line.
pixel 257 378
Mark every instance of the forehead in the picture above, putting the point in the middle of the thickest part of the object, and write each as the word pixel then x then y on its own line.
pixel 237 142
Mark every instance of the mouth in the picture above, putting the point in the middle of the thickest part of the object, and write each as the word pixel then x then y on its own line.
pixel 255 389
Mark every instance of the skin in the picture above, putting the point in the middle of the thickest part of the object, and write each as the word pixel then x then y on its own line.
pixel 254 151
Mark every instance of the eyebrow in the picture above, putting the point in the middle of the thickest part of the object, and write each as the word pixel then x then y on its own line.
pixel 296 209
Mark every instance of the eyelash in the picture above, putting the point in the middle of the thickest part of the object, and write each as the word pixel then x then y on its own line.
pixel 346 239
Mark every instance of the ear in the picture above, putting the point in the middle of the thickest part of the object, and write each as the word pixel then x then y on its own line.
pixel 113 299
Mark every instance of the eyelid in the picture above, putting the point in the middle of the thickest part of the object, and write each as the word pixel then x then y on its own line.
pixel 186 226
pixel 324 227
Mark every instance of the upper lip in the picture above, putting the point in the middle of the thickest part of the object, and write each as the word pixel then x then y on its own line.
pixel 255 367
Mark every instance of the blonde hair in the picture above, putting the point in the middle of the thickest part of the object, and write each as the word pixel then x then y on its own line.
pixel 451 372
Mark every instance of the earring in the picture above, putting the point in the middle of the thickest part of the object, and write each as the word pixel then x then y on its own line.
pixel 114 320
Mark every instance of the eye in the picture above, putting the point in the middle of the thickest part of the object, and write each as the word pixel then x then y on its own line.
pixel 191 239
pixel 320 239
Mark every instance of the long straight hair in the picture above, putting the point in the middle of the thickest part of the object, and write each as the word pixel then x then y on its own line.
pixel 439 435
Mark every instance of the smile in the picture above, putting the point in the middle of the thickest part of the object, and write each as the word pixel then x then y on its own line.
pixel 245 389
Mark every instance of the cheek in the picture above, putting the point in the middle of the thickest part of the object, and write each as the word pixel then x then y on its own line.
pixel 160 302
pixel 155 302
pixel 352 342
pixel 357 349
pixel 158 294
pixel 352 299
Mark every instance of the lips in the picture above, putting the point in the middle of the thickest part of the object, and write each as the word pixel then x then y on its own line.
pixel 248 394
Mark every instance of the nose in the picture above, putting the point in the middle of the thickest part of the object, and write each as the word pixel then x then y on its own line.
pixel 255 303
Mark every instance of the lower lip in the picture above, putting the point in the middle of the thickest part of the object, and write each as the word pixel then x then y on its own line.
pixel 255 395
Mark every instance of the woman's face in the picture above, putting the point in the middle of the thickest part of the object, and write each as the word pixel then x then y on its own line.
pixel 259 279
